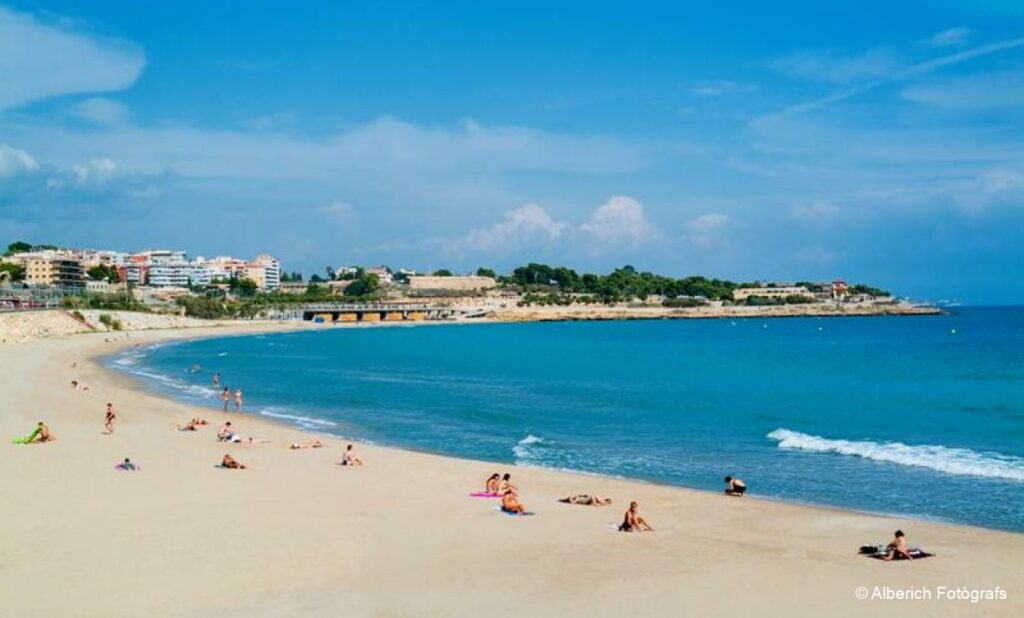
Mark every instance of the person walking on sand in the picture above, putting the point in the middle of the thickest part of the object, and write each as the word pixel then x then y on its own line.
pixel 110 418
pixel 238 400
pixel 632 522
pixel 226 397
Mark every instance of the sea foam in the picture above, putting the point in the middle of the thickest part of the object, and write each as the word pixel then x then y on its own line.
pixel 305 422
pixel 959 461
pixel 528 450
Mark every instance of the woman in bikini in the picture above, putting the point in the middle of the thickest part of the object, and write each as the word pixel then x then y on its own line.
pixel 510 504
pixel 491 487
pixel 505 485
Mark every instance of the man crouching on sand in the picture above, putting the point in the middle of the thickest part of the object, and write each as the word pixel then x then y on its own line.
pixel 632 522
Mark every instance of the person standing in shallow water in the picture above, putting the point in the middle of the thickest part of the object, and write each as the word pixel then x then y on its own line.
pixel 226 397
pixel 216 380
pixel 238 400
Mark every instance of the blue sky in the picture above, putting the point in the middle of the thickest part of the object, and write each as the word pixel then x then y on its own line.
pixel 881 142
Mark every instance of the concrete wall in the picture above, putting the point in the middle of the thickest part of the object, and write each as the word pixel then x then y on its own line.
pixel 451 283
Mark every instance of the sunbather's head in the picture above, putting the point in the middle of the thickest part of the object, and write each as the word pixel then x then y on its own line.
pixel 507 477
pixel 899 533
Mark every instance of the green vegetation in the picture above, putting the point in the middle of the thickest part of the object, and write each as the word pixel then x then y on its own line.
pixel 620 285
pixel 20 246
pixel 486 272
pixel 110 321
pixel 363 287
pixel 118 301
pixel 16 272
pixel 443 272
pixel 860 288
pixel 102 272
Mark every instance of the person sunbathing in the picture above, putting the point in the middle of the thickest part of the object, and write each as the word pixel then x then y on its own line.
pixel 734 487
pixel 632 522
pixel 191 426
pixel 587 500
pixel 510 504
pixel 897 548
pixel 350 458
pixel 231 462
pixel 127 465
pixel 198 421
pixel 491 486
pixel 506 485
pixel 313 444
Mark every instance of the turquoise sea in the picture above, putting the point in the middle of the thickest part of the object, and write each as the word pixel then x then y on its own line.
pixel 920 416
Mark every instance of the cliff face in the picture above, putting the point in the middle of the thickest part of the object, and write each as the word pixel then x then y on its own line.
pixel 23 326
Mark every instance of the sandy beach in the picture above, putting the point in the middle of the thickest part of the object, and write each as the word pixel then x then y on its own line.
pixel 296 534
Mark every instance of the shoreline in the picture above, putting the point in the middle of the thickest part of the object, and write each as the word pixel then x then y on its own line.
pixel 286 536
pixel 139 384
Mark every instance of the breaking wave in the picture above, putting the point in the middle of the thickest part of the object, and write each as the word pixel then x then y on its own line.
pixel 529 451
pixel 959 461
pixel 306 422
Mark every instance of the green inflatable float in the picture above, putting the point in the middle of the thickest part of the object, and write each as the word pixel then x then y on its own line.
pixel 27 439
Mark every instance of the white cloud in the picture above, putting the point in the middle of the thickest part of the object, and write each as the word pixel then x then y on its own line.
pixel 39 61
pixel 524 224
pixel 707 229
pixel 338 212
pixel 619 220
pixel 14 161
pixel 96 170
pixel 720 88
pixel 101 111
pixel 981 91
pixel 836 67
pixel 865 73
pixel 992 187
pixel 951 37
pixel 814 212
pixel 362 153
